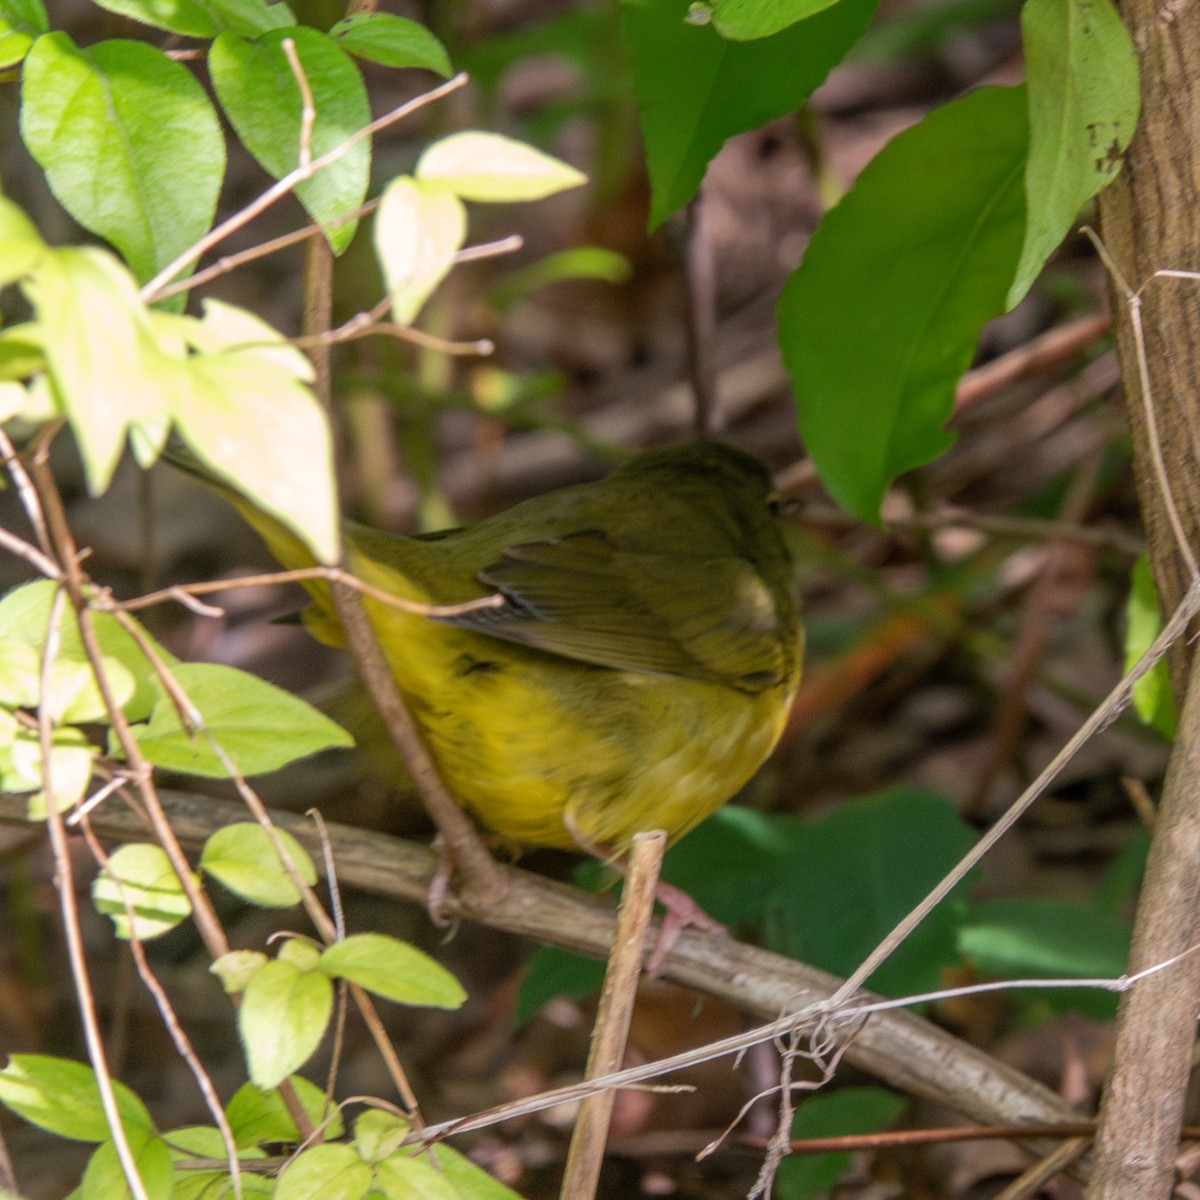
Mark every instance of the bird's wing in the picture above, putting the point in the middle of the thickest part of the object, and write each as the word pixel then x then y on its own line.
pixel 582 597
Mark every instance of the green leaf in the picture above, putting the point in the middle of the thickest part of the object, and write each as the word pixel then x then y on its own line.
pixel 108 368
pixel 328 1172
pixel 580 262
pixel 261 98
pixel 24 618
pixel 392 969
pixel 1046 938
pixel 1153 699
pixel 21 246
pixel 746 20
pixel 104 1179
pixel 258 726
pixel 283 1017
pixel 392 41
pixel 553 972
pixel 140 877
pixel 832 1114
pixel 245 410
pixel 1084 101
pixel 404 1177
pixel 695 89
pixel 378 1134
pixel 21 22
pixel 419 228
pixel 250 17
pixel 236 968
pixel 912 262
pixel 257 1116
pixel 853 874
pixel 61 1097
pixel 205 1141
pixel 204 18
pixel 243 858
pixel 494 169
pixel 71 759
pixel 129 142
pixel 1043 937
pixel 472 1182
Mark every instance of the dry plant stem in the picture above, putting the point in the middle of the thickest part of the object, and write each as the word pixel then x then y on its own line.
pixel 1031 1181
pixel 1045 352
pixel 482 877
pixel 1116 700
pixel 1043 606
pixel 170 1020
pixel 897 1047
pixel 203 913
pixel 701 281
pixel 1142 1110
pixel 1032 529
pixel 64 880
pixel 611 1031
pixel 207 922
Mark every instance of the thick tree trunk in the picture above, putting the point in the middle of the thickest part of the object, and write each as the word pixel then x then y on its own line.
pixel 1150 220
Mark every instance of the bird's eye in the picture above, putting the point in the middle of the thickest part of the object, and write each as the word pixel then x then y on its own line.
pixel 781 505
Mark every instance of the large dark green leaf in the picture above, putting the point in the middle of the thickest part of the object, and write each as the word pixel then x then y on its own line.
pixel 883 315
pixel 695 89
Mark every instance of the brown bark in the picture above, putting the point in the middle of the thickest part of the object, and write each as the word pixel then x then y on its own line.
pixel 1150 220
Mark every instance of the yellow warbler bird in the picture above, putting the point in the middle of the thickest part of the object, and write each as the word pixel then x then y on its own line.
pixel 639 669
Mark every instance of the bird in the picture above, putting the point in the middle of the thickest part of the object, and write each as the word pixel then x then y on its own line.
pixel 637 668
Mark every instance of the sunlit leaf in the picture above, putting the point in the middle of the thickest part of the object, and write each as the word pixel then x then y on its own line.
pixel 392 41
pixel 129 142
pixel 243 858
pixel 139 878
pixel 261 97
pixel 418 230
pixel 282 1019
pixel 392 969
pixel 489 167
pixel 258 726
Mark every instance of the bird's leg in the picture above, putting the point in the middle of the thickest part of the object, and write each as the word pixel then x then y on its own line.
pixel 439 885
pixel 682 911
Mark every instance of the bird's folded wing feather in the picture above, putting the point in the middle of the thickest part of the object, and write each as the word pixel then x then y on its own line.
pixel 582 597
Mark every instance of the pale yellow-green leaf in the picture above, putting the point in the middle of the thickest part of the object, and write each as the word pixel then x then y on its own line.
pixel 490 167
pixel 299 953
pixel 237 968
pixel 21 246
pixel 107 366
pixel 378 1134
pixel 13 398
pixel 419 228
pixel 284 1015
pixel 71 759
pixel 404 1177
pixel 139 879
pixel 246 411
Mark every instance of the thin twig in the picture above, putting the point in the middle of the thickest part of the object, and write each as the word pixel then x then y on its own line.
pixel 1133 301
pixel 333 575
pixel 283 186
pixel 611 1031
pixel 1116 700
pixel 170 1019
pixel 308 110
pixel 64 878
